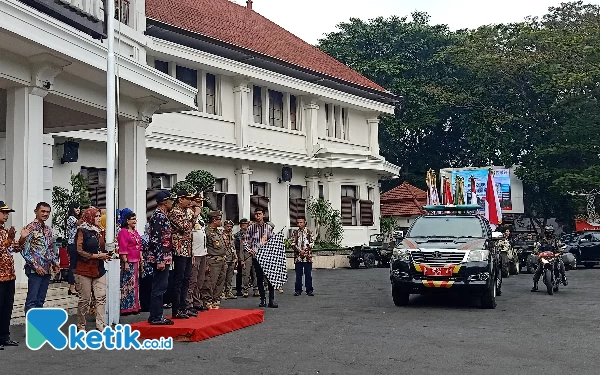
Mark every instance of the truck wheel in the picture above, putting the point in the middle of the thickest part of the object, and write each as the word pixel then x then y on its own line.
pixel 369 260
pixel 499 285
pixel 514 268
pixel 548 281
pixel 488 299
pixel 400 295
pixel 354 263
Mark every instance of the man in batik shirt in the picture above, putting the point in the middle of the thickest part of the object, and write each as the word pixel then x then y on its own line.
pixel 7 276
pixel 159 255
pixel 41 259
pixel 257 235
pixel 182 221
pixel 302 244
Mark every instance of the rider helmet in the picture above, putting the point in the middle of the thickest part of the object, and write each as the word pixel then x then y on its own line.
pixel 549 230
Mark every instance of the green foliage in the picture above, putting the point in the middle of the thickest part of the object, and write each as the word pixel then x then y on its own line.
pixel 329 230
pixel 62 198
pixel 521 94
pixel 201 180
pixel 184 186
pixel 387 225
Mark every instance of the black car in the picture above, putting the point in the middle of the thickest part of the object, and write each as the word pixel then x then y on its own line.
pixel 447 252
pixel 587 250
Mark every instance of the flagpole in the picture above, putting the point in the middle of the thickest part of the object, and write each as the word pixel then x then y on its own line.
pixel 113 285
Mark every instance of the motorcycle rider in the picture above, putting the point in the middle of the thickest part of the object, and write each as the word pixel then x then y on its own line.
pixel 548 243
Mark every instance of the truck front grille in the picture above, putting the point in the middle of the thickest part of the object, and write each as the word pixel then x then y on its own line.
pixel 438 257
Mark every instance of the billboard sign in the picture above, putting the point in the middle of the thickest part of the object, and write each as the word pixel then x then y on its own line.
pixel 508 186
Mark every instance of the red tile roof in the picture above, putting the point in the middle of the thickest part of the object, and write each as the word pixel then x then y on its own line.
pixel 403 200
pixel 243 27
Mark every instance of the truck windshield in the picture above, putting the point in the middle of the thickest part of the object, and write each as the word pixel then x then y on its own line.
pixel 446 226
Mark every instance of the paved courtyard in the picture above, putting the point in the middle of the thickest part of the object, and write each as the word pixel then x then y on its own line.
pixel 352 327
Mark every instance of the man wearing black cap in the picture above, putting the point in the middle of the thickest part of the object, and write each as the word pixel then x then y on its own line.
pixel 242 280
pixel 160 256
pixel 182 221
pixel 8 245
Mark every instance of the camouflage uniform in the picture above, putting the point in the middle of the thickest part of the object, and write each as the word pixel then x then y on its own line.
pixel 224 284
pixel 215 245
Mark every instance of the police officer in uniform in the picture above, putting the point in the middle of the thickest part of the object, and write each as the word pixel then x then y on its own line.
pixel 215 261
pixel 548 243
pixel 226 283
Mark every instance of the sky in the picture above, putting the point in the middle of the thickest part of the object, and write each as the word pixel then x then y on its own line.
pixel 311 19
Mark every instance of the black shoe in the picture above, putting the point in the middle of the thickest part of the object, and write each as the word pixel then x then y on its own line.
pixel 239 294
pixel 10 343
pixel 535 288
pixel 273 305
pixel 297 294
pixel 263 302
pixel 565 282
pixel 1 347
pixel 200 309
pixel 181 315
pixel 161 322
pixel 192 312
pixel 310 294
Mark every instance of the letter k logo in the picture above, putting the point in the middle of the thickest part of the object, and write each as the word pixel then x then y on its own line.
pixel 43 326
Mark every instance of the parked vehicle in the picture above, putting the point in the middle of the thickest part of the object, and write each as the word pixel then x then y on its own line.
pixel 377 253
pixel 587 252
pixel 551 274
pixel 527 260
pixel 446 253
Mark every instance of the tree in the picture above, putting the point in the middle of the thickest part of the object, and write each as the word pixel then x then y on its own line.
pixel 329 230
pixel 402 55
pixel 62 198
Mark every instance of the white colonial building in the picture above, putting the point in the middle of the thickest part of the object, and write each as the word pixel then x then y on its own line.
pixel 203 84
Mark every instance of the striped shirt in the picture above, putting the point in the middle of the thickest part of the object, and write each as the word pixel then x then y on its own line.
pixel 257 235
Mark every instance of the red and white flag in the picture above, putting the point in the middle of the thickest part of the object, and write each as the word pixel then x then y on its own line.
pixel 493 211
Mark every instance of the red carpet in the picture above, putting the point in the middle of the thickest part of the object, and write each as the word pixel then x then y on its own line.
pixel 208 324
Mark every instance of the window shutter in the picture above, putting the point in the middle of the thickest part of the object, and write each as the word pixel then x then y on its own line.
pixel 297 210
pixel 231 208
pixel 366 213
pixel 264 204
pixel 151 202
pixel 346 210
pixel 212 203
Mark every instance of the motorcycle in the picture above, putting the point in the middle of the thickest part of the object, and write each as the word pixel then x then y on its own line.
pixel 551 270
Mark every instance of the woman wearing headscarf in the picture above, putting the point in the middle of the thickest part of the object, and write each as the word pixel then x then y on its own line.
pixel 90 274
pixel 130 251
pixel 73 221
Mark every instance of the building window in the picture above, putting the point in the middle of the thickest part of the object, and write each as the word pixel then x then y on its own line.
pixel 349 199
pixel 257 104
pixel 187 76
pixel 211 94
pixel 275 108
pixel 366 208
pixel 162 66
pixel 293 113
pixel 220 185
pixel 297 204
pixel 96 185
pixel 122 11
pixel 321 191
pixel 328 119
pixel 344 125
pixel 260 198
pixel 160 180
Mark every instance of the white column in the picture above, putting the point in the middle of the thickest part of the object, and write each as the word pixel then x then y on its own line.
pixel 311 125
pixel 312 193
pixel 374 136
pixel 132 175
pixel 241 95
pixel 132 169
pixel 24 158
pixel 243 191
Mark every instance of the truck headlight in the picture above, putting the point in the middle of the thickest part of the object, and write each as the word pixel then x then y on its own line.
pixel 401 255
pixel 478 256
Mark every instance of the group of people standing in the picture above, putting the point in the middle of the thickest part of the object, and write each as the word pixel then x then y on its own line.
pixel 203 259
